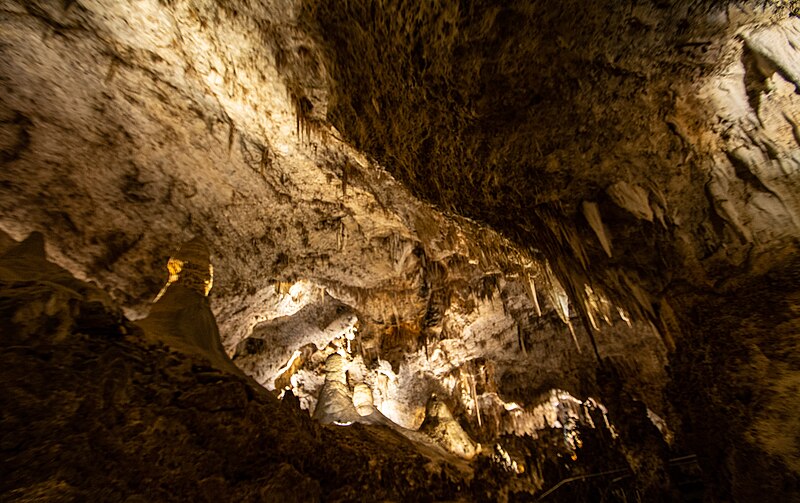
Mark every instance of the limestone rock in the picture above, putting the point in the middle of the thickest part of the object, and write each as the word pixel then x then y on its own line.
pixel 115 416
pixel 434 189
pixel 440 425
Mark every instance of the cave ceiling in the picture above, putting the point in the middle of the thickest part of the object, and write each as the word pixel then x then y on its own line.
pixel 548 121
pixel 542 196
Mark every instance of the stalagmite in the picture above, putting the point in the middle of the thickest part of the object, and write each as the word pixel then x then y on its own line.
pixel 335 402
pixel 181 316
pixel 362 399
pixel 192 267
pixel 440 425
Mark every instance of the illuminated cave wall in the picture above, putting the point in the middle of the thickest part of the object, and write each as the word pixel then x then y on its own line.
pixel 633 189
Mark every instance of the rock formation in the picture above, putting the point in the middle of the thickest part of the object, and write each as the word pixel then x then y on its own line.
pixel 574 223
pixel 440 424
pixel 181 315
pixel 335 403
pixel 116 416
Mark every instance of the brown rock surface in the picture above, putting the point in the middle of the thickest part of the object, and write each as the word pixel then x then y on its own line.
pixel 493 203
pixel 94 410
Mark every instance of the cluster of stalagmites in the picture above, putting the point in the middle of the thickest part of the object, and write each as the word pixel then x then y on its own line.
pixel 98 408
pixel 181 317
pixel 169 374
pixel 337 404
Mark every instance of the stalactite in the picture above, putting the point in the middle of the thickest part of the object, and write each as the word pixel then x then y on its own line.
pixel 530 285
pixel 574 337
pixel 592 213
pixel 475 398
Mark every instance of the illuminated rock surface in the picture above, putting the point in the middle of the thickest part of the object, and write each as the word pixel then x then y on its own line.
pixel 116 415
pixel 576 224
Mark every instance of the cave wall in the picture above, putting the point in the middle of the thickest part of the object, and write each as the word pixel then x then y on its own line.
pixel 122 139
pixel 641 157
pixel 131 127
pixel 649 150
pixel 96 407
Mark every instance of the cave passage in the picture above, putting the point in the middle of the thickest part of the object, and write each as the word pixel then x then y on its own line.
pixel 313 250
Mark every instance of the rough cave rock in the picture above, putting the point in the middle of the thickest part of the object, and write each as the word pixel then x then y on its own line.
pixel 315 250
